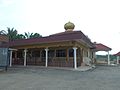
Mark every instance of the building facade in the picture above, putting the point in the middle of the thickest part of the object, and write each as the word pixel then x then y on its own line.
pixel 66 49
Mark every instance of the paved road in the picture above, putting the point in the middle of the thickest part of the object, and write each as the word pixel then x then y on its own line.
pixel 101 78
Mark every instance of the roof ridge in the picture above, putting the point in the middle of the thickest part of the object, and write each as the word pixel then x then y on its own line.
pixel 61 33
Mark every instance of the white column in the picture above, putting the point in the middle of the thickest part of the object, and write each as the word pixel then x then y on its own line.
pixel 11 58
pixel 94 57
pixel 25 55
pixel 108 58
pixel 117 59
pixel 75 61
pixel 46 60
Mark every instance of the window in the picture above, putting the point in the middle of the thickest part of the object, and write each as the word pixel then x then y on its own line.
pixel 43 53
pixel 60 53
pixel 71 52
pixel 20 54
pixel 51 53
pixel 36 53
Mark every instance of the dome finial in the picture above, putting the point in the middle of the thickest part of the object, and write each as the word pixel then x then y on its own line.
pixel 69 26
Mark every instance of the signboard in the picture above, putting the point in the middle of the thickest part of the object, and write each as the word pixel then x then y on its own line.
pixel 3 57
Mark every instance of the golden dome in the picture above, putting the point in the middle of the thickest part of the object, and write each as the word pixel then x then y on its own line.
pixel 69 26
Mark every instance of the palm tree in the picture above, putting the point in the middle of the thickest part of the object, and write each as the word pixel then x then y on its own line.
pixel 32 35
pixel 12 33
pixel 35 35
pixel 20 36
pixel 27 35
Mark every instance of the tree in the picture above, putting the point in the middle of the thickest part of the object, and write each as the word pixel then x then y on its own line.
pixel 27 35
pixel 35 35
pixel 12 33
pixel 20 36
pixel 32 35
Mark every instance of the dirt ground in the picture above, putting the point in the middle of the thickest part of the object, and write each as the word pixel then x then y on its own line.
pixel 39 78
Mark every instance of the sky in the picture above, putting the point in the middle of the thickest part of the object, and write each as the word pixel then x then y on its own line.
pixel 98 19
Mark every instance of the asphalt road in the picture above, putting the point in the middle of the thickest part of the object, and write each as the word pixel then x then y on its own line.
pixel 37 78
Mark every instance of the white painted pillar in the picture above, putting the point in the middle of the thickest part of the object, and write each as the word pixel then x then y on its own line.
pixel 95 55
pixel 46 60
pixel 25 57
pixel 108 58
pixel 75 60
pixel 117 59
pixel 11 58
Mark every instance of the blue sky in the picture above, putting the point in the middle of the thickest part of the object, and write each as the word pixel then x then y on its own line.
pixel 98 19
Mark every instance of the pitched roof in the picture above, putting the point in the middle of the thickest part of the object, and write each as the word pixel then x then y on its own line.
pixel 101 47
pixel 59 37
pixel 117 54
pixel 4 38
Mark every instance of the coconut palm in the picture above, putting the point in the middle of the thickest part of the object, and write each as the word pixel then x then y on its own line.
pixel 27 35
pixel 20 36
pixel 12 33
pixel 35 35
pixel 32 35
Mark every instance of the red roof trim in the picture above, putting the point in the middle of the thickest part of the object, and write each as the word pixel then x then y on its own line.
pixel 59 37
pixel 101 47
pixel 117 54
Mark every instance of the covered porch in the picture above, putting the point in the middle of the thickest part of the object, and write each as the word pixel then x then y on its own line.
pixel 63 54
pixel 101 47
pixel 118 57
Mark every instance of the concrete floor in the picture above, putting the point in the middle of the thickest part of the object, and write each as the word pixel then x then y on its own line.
pixel 39 78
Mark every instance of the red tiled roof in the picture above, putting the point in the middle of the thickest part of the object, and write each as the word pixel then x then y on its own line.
pixel 59 37
pixel 4 38
pixel 117 54
pixel 101 47
pixel 4 45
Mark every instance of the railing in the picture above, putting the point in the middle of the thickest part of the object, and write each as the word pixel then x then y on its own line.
pixel 61 62
pixel 36 61
pixel 52 61
pixel 17 61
